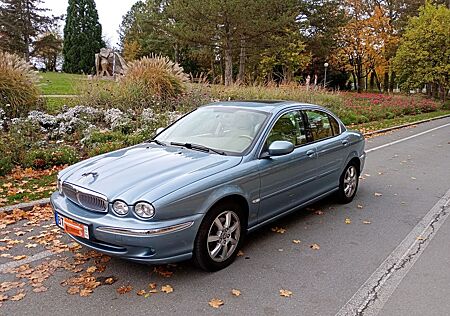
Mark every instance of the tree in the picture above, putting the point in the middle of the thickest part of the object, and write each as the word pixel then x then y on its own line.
pixel 82 37
pixel 423 56
pixel 21 21
pixel 48 48
pixel 226 26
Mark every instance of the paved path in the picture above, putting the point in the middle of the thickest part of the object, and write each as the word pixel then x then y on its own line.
pixel 408 220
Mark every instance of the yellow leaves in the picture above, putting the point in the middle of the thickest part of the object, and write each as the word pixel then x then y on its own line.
pixel 278 230
pixel 19 296
pixel 215 303
pixel 296 241
pixel 348 221
pixel 39 289
pixel 235 292
pixel 124 289
pixel 285 293
pixel 167 289
pixel 141 292
pixel 152 286
pixel 314 247
pixel 73 290
pixel 110 280
pixel 30 245
pixel 91 269
pixel 86 292
pixel 21 257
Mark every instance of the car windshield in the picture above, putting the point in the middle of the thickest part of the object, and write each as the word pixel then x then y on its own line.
pixel 228 129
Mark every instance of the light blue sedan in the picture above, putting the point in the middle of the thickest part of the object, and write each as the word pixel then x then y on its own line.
pixel 204 182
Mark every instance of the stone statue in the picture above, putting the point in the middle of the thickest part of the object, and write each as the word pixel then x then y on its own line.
pixel 109 63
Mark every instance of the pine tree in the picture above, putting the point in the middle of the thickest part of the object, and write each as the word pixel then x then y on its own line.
pixel 21 21
pixel 82 37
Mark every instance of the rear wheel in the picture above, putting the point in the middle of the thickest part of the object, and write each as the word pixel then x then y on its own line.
pixel 348 183
pixel 219 237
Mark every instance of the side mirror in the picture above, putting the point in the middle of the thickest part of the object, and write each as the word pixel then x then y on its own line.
pixel 159 130
pixel 280 148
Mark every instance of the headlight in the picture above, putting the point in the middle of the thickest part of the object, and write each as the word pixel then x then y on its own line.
pixel 59 185
pixel 120 208
pixel 144 210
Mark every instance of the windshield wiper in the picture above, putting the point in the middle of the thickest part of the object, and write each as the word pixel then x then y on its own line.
pixel 198 147
pixel 160 143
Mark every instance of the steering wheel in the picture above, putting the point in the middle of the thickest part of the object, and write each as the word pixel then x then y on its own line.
pixel 247 137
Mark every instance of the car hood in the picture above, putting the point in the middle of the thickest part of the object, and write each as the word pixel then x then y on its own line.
pixel 146 171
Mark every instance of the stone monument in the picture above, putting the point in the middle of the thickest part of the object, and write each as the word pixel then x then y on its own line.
pixel 109 63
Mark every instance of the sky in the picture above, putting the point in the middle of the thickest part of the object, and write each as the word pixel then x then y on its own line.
pixel 110 14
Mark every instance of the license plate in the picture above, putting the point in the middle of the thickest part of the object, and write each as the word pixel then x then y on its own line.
pixel 72 227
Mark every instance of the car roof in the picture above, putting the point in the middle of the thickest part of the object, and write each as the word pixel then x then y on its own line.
pixel 262 105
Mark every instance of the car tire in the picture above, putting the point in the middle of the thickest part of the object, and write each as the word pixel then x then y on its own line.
pixel 218 242
pixel 348 183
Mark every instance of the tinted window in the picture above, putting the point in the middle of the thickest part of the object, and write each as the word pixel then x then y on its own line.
pixel 334 125
pixel 319 125
pixel 289 127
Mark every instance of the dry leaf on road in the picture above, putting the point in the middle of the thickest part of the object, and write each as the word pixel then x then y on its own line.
pixel 124 289
pixel 167 288
pixel 279 230
pixel 359 206
pixel 285 293
pixel 85 292
pixel 91 269
pixel 19 257
pixel 377 194
pixel 348 221
pixel 73 290
pixel 18 296
pixel 367 222
pixel 315 247
pixel 296 241
pixel 141 292
pixel 235 292
pixel 215 302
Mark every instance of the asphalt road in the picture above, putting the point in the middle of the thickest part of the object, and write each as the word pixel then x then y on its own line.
pixel 391 259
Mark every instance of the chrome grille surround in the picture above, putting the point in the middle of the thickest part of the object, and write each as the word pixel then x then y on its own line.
pixel 86 198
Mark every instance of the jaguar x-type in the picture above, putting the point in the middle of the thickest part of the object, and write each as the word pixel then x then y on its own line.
pixel 201 184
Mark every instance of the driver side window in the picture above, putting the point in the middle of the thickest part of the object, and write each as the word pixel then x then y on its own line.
pixel 289 127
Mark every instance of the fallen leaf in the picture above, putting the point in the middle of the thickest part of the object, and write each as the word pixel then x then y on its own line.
pixel 279 230
pixel 240 253
pixel 235 292
pixel 167 289
pixel 40 289
pixel 19 257
pixel 18 296
pixel 85 292
pixel 3 297
pixel 124 289
pixel 73 290
pixel 359 206
pixel 420 238
pixel 377 194
pixel 367 222
pixel 30 245
pixel 152 286
pixel 141 292
pixel 215 302
pixel 285 293
pixel 348 221
pixel 110 280
pixel 318 212
pixel 296 241
pixel 91 269
pixel 315 247
pixel 413 178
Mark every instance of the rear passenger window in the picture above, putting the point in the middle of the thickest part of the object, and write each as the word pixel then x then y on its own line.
pixel 334 125
pixel 319 125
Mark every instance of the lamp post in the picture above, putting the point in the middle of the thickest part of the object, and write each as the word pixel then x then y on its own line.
pixel 325 77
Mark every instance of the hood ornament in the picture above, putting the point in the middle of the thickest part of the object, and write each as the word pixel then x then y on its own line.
pixel 93 174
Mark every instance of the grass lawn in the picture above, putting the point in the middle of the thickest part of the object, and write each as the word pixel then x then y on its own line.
pixel 56 83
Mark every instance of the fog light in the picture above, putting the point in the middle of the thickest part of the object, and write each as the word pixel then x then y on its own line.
pixel 144 210
pixel 120 208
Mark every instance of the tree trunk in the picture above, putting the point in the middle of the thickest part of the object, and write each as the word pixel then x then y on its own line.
pixel 372 80
pixel 386 82
pixel 435 90
pixel 354 80
pixel 377 81
pixel 228 56
pixel 242 59
pixel 392 82
pixel 428 88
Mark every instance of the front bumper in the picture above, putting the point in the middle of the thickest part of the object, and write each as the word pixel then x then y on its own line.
pixel 153 242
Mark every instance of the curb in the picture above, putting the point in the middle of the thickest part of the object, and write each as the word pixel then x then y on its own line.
pixel 29 205
pixel 25 206
pixel 405 125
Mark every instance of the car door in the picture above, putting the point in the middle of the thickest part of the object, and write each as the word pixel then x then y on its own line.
pixel 286 180
pixel 324 131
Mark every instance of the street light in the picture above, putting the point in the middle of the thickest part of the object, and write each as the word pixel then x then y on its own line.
pixel 325 78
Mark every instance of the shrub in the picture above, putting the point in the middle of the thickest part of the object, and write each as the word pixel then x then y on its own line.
pixel 48 157
pixel 6 165
pixel 18 90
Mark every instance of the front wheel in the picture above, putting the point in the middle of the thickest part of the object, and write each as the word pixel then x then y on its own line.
pixel 348 183
pixel 219 237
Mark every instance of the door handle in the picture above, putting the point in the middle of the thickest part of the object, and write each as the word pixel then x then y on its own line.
pixel 311 153
pixel 345 142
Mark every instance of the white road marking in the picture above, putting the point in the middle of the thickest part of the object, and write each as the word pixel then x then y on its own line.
pixel 407 138
pixel 375 292
pixel 14 264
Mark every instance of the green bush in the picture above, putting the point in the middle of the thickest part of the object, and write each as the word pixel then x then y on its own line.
pixel 6 165
pixel 48 157
pixel 18 91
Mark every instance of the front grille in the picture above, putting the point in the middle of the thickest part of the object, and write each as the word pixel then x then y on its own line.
pixel 88 199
